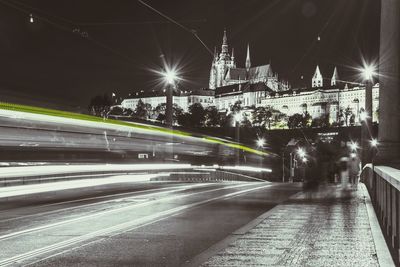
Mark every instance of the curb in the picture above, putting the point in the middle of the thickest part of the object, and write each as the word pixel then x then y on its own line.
pixel 382 251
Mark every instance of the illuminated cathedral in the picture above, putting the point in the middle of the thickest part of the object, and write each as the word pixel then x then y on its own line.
pixel 225 72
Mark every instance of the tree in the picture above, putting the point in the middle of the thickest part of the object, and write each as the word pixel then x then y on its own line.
pixel 99 105
pixel 142 110
pixel 347 115
pixel 116 110
pixel 197 114
pixel 322 121
pixel 212 117
pixel 160 112
pixel 237 107
pixel 262 117
pixel 299 120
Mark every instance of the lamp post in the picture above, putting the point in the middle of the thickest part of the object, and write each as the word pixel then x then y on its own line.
pixel 366 117
pixel 170 78
pixel 238 118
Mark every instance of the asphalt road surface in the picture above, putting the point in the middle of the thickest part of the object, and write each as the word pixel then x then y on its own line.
pixel 138 224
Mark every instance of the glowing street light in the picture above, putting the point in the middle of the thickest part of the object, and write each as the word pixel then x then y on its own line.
pixel 260 142
pixel 170 76
pixel 368 72
pixel 301 152
pixel 354 146
pixel 374 143
pixel 364 116
pixel 238 117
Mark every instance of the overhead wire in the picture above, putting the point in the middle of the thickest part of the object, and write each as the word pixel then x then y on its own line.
pixel 178 24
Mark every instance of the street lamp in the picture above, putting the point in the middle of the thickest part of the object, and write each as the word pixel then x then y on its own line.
pixel 170 77
pixel 368 73
pixel 301 152
pixel 354 146
pixel 374 143
pixel 260 142
pixel 237 118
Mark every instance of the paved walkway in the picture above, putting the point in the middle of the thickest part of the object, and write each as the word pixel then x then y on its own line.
pixel 329 228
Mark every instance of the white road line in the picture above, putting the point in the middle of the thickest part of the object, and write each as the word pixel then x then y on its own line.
pixel 81 218
pixel 179 188
pixel 119 228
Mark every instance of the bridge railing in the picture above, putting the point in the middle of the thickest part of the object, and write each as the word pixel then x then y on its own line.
pixel 383 184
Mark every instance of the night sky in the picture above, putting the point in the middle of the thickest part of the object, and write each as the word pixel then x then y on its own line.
pixel 49 61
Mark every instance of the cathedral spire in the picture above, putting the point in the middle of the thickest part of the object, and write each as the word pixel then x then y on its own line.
pixel 224 44
pixel 335 77
pixel 248 63
pixel 317 80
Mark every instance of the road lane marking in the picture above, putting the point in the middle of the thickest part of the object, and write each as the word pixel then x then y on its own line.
pixel 179 188
pixel 118 229
pixel 81 218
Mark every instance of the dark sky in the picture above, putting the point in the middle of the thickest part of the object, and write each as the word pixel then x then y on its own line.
pixel 47 61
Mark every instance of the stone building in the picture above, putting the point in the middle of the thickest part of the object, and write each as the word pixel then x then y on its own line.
pixel 224 71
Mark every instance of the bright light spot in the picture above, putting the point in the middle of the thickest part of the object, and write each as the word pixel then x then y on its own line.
pixel 319 38
pixel 238 117
pixel 170 76
pixel 354 146
pixel 368 72
pixel 364 116
pixel 246 168
pixel 31 18
pixel 353 155
pixel 305 160
pixel 260 142
pixel 301 152
pixel 374 142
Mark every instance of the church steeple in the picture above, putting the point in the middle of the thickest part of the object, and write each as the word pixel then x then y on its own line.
pixel 317 80
pixel 224 48
pixel 335 77
pixel 248 63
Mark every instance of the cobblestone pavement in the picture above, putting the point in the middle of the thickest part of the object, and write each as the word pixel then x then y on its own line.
pixel 328 228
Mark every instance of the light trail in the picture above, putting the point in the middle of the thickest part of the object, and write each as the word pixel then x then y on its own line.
pixel 175 189
pixel 119 228
pixel 109 212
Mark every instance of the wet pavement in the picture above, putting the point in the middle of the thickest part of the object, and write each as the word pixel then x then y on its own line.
pixel 330 227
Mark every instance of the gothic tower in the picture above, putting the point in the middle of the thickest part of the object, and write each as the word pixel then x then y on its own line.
pixel 317 80
pixel 335 78
pixel 248 63
pixel 221 64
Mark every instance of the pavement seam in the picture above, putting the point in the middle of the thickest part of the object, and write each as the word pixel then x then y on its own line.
pixel 381 248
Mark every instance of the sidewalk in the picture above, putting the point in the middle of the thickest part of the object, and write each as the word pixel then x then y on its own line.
pixel 333 227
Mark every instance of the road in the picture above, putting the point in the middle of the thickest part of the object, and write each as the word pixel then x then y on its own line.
pixel 135 224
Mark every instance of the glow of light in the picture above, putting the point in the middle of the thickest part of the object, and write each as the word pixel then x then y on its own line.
pixel 260 142
pixel 368 72
pixel 353 155
pixel 305 160
pixel 364 116
pixel 301 152
pixel 374 142
pixel 319 38
pixel 238 117
pixel 31 18
pixel 354 146
pixel 246 168
pixel 170 76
